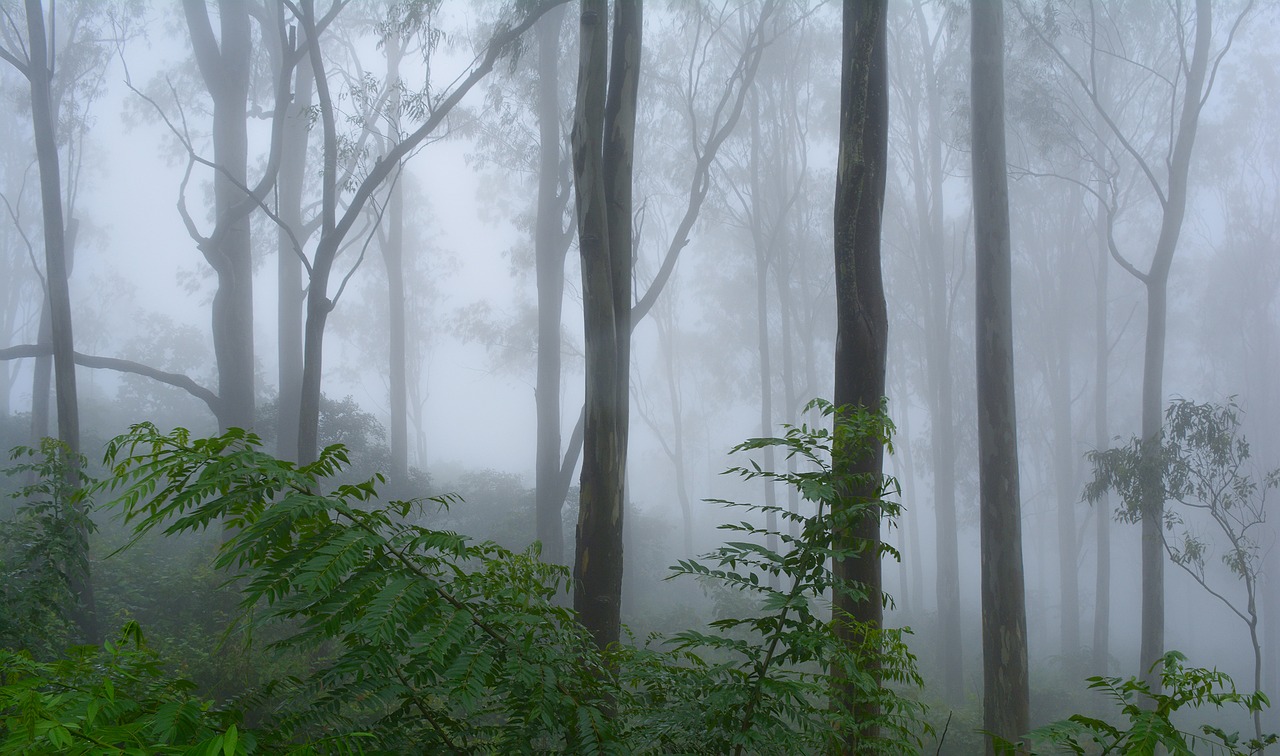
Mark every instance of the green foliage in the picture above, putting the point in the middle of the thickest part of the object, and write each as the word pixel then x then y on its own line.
pixel 435 643
pixel 42 546
pixel 1149 717
pixel 112 700
pixel 764 677
pixel 422 640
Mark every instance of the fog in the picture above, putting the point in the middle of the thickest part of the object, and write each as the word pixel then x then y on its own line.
pixel 734 330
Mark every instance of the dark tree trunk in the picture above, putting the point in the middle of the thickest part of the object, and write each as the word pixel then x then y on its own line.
pixel 861 314
pixel 1004 619
pixel 603 136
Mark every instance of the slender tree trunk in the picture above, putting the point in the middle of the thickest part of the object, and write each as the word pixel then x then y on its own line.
pixel 1102 440
pixel 930 209
pixel 44 126
pixel 603 138
pixel 393 260
pixel 1058 382
pixel 42 376
pixel 760 241
pixel 1004 619
pixel 292 177
pixel 861 314
pixel 550 244
pixel 667 342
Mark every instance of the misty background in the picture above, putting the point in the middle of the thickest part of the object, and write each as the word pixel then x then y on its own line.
pixel 740 330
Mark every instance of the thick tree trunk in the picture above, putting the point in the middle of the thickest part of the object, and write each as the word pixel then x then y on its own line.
pixel 224 64
pixel 861 314
pixel 550 247
pixel 603 135
pixel 1004 620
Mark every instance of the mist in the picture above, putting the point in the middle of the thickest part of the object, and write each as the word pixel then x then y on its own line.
pixel 371 224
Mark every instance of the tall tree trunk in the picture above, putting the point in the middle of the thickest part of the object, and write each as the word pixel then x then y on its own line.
pixel 393 260
pixel 1004 618
pixel 1102 440
pixel 292 177
pixel 861 315
pixel 1065 457
pixel 1157 283
pixel 550 247
pixel 603 139
pixel 930 210
pixel 224 64
pixel 761 242
pixel 42 375
pixel 44 125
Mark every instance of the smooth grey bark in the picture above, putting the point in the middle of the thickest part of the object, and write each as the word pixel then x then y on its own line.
pixel 862 322
pixel 1169 183
pixel 290 233
pixel 551 244
pixel 1057 372
pixel 603 142
pixel 1101 437
pixel 761 242
pixel 224 62
pixel 930 201
pixel 38 70
pixel 393 260
pixel 42 374
pixel 1004 620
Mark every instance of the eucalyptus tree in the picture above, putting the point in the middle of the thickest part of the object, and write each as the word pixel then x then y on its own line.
pixel 862 324
pixel 927 43
pixel 337 223
pixel 603 145
pixel 1172 59
pixel 1006 689
pixel 60 95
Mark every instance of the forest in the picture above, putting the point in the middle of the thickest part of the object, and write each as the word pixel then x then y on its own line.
pixel 698 377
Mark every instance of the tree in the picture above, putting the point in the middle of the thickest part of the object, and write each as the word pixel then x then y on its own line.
pixel 603 143
pixel 224 62
pixel 862 320
pixel 38 69
pixel 1164 158
pixel 922 54
pixel 1202 464
pixel 551 243
pixel 337 223
pixel 1004 618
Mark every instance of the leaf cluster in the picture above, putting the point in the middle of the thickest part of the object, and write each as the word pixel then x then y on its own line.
pixel 1148 716
pixel 42 547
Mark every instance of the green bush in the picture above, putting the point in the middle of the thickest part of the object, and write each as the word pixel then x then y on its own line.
pixel 423 640
pixel 1148 716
